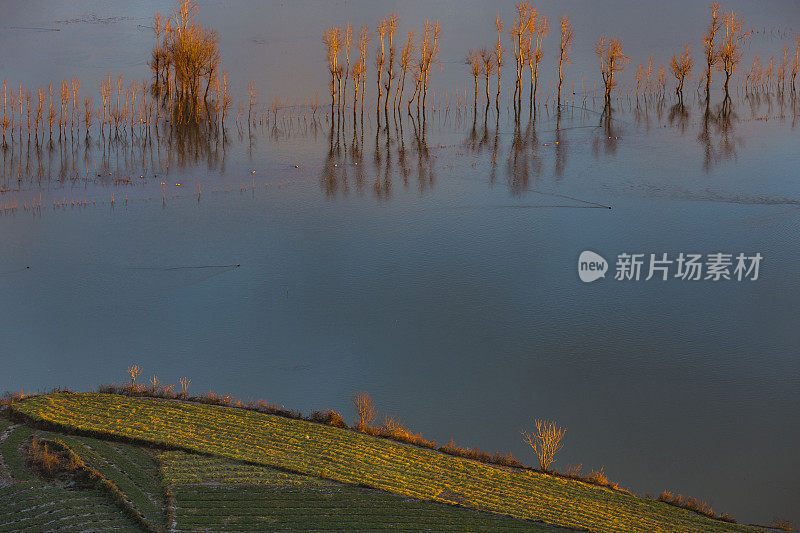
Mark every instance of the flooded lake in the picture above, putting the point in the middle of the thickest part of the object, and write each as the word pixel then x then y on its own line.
pixel 432 261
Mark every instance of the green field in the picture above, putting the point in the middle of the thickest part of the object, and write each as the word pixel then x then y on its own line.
pixel 217 494
pixel 206 493
pixel 205 490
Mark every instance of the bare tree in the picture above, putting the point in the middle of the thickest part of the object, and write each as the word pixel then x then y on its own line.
pixel 539 32
pixel 348 42
pixel 158 52
pixel 133 372
pixel 681 68
pixel 5 117
pixel 488 64
pixel 711 54
pixel 332 39
pixel 612 60
pixel 380 57
pixel 567 36
pixel 406 58
pixel 391 27
pixel 519 34
pixel 546 442
pixel 499 55
pixel 796 61
pixel 365 410
pixel 730 49
pixel 429 55
pixel 363 42
pixel 473 59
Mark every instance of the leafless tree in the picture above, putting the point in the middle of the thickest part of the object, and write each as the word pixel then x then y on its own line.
pixel 612 60
pixel 567 37
pixel 546 442
pixel 365 410
pixel 681 66
pixel 473 60
pixel 711 53
pixel 730 49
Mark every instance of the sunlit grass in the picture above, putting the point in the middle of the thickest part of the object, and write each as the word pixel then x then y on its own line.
pixel 356 458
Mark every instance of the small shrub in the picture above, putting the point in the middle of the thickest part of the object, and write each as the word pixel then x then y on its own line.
pixel 693 504
pixel 783 525
pixel 598 477
pixel 329 417
pixel 9 398
pixel 43 459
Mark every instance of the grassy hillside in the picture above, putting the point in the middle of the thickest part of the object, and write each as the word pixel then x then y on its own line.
pixel 29 503
pixel 216 494
pixel 355 458
pixel 180 491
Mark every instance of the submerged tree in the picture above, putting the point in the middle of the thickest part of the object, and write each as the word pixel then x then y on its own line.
pixel 363 42
pixel 499 55
pixel 348 42
pixel 194 51
pixel 488 63
pixel 391 27
pixel 429 55
pixel 380 57
pixel 473 60
pixel 184 62
pixel 332 39
pixel 541 27
pixel 681 66
pixel 157 60
pixel 730 53
pixel 711 53
pixel 406 58
pixel 612 60
pixel 520 37
pixel 567 36
pixel 796 60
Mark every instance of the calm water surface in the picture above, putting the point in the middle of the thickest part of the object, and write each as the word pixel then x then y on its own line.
pixel 420 271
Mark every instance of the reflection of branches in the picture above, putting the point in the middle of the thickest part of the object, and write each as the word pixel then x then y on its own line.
pixel 718 122
pixel 561 152
pixel 495 145
pixel 608 134
pixel 517 165
pixel 679 116
pixel 329 179
pixel 426 176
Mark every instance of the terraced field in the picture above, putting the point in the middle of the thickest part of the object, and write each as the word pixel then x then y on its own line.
pixel 215 494
pixel 40 507
pixel 350 457
pixel 130 468
pixel 207 494
pixel 28 503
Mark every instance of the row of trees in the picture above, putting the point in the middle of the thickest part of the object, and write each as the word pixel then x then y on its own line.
pixel 125 107
pixel 722 51
pixel 414 58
